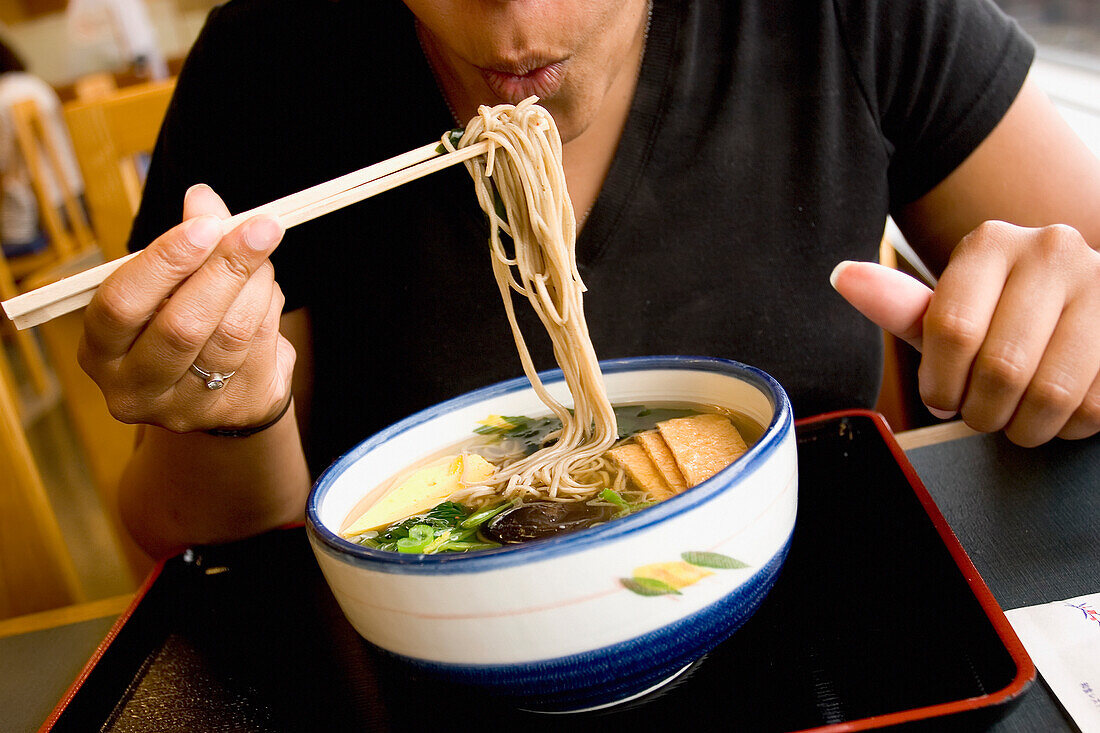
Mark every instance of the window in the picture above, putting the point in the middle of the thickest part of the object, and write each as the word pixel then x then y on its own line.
pixel 1067 67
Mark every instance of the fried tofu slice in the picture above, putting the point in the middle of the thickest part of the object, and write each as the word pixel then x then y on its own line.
pixel 633 459
pixel 657 450
pixel 702 444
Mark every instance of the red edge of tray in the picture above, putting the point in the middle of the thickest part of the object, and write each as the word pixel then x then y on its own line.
pixel 100 650
pixel 1025 668
pixel 116 627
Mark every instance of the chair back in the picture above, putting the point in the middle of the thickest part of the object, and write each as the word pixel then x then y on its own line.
pixel 45 154
pixel 110 133
pixel 107 443
pixel 47 165
pixel 36 570
pixel 95 85
pixel 26 345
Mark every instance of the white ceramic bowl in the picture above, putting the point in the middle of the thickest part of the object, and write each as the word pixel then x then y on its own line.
pixel 551 624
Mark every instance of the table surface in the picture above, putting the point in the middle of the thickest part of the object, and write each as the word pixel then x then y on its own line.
pixel 1029 520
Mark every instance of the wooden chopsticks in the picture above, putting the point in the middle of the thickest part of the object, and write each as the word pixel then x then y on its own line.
pixel 73 292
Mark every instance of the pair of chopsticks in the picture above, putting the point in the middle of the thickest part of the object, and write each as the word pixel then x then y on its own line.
pixel 76 291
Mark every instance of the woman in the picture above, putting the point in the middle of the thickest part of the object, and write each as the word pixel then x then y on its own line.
pixel 722 158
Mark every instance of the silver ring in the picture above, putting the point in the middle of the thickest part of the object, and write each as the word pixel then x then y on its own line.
pixel 214 380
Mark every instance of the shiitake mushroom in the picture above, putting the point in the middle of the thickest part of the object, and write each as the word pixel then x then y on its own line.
pixel 541 519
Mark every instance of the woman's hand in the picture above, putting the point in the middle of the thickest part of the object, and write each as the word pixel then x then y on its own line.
pixel 1010 339
pixel 193 296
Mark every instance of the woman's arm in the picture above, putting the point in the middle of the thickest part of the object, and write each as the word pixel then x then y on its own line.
pixel 196 296
pixel 1032 171
pixel 1010 338
pixel 180 489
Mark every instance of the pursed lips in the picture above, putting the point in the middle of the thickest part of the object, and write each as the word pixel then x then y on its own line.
pixel 515 83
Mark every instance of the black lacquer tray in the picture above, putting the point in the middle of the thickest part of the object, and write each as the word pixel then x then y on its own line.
pixel 878 619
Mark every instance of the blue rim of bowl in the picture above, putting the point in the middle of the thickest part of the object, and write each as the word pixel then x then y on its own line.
pixel 484 560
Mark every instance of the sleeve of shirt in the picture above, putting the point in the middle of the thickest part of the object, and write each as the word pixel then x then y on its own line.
pixel 938 75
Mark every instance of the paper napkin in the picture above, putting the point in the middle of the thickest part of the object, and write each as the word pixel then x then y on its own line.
pixel 1063 639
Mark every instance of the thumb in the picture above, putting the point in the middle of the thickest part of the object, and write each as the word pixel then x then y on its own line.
pixel 891 299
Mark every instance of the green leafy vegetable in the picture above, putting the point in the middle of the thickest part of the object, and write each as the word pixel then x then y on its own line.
pixel 633 419
pixel 446 527
pixel 438 543
pixel 530 431
pixel 479 518
pixel 453 546
pixel 441 516
pixel 498 205
pixel 454 136
pixel 613 497
pixel 418 539
pixel 712 560
pixel 649 587
pixel 505 426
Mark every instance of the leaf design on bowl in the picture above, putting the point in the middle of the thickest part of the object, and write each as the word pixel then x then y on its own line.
pixel 667 578
pixel 648 586
pixel 713 560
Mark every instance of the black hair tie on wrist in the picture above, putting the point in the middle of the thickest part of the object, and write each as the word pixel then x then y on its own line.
pixel 245 432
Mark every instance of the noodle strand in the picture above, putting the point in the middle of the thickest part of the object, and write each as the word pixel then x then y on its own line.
pixel 524 166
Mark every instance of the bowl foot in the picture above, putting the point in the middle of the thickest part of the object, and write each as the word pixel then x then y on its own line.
pixel 623 701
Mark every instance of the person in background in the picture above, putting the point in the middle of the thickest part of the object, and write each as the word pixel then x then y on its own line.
pixel 114 34
pixel 20 229
pixel 722 158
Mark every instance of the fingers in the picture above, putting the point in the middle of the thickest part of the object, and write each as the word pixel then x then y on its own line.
pixel 196 294
pixel 1085 420
pixel 1010 339
pixel 276 349
pixel 173 339
pixel 1008 360
pixel 956 324
pixel 201 200
pixel 128 299
pixel 1062 395
pixel 256 391
pixel 889 298
pixel 236 334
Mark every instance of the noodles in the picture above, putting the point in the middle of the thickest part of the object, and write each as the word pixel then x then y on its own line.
pixel 525 167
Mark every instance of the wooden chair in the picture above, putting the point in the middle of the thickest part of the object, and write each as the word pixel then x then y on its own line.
pixel 25 343
pixel 107 443
pixel 109 132
pixel 36 570
pixel 95 86
pixel 899 398
pixel 66 227
pixel 41 152
pixel 893 400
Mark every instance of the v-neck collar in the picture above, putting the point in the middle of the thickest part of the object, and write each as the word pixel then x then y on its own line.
pixel 639 133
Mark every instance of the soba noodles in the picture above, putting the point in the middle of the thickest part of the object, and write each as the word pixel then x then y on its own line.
pixel 518 481
pixel 525 168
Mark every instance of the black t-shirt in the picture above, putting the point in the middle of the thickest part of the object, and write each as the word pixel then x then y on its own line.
pixel 767 141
